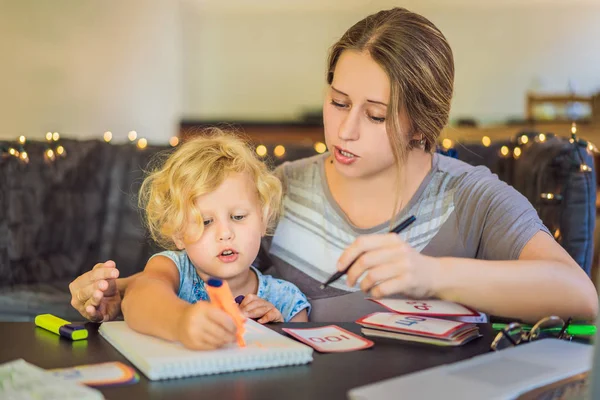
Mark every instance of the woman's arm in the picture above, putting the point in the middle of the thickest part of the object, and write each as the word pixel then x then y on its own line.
pixel 544 281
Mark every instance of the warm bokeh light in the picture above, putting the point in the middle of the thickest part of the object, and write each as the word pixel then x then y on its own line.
pixel 504 150
pixel 132 135
pixel 585 168
pixel 573 128
pixel 542 137
pixel 24 155
pixel 279 151
pixel 55 136
pixel 174 141
pixel 22 139
pixel 50 153
pixel 447 143
pixel 12 151
pixel 49 136
pixel 320 147
pixel 142 143
pixel 517 152
pixel 486 141
pixel 261 150
pixel 590 147
pixel 107 136
pixel 524 139
pixel 548 196
pixel 557 233
pixel 60 150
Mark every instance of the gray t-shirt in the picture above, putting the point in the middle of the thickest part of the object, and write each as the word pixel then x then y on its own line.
pixel 461 210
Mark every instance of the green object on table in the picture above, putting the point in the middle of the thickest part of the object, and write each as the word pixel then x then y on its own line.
pixel 573 329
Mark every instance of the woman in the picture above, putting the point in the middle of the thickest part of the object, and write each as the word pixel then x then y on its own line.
pixel 476 240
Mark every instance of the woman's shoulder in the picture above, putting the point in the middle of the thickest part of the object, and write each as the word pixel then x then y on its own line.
pixel 304 169
pixel 462 175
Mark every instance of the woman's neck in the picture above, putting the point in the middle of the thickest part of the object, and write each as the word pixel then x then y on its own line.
pixel 381 194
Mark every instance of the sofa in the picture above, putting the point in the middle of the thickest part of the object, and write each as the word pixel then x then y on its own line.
pixel 62 213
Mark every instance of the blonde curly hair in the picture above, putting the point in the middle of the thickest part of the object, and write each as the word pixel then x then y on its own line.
pixel 198 167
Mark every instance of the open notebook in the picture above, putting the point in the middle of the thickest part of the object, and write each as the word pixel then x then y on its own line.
pixel 160 359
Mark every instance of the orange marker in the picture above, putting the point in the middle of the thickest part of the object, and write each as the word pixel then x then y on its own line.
pixel 220 295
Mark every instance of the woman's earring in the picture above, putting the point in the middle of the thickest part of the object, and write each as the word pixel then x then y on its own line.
pixel 422 141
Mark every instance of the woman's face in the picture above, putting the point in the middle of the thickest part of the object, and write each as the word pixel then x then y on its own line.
pixel 354 116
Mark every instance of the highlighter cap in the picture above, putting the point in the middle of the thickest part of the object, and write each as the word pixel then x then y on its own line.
pixel 215 282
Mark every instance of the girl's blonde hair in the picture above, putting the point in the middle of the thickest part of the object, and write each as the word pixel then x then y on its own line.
pixel 196 168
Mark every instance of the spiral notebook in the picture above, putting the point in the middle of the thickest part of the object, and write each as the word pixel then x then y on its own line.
pixel 159 359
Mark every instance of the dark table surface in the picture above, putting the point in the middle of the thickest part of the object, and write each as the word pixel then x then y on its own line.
pixel 329 376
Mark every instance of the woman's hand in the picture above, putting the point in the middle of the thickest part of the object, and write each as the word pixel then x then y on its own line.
pixel 95 294
pixel 203 326
pixel 256 308
pixel 390 266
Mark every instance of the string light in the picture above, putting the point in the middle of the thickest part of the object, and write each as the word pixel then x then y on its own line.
pixel 60 151
pixel 585 168
pixel 557 233
pixel 24 157
pixel 132 135
pixel 590 147
pixel 22 139
pixel 551 196
pixel 573 128
pixel 517 152
pixel 13 152
pixel 142 143
pixel 261 150
pixel 174 141
pixel 486 141
pixel 279 151
pixel 542 137
pixel 49 136
pixel 447 143
pixel 504 151
pixel 55 136
pixel 108 136
pixel 320 147
pixel 524 139
pixel 49 155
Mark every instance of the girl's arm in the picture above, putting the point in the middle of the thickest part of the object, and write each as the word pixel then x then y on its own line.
pixel 151 305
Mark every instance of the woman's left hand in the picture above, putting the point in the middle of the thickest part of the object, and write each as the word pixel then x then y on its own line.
pixel 390 266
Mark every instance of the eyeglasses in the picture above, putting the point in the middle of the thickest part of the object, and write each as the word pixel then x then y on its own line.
pixel 515 333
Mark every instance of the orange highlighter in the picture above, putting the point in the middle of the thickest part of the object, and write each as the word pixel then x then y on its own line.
pixel 220 295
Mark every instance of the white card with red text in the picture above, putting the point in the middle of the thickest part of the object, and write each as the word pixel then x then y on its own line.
pixel 430 308
pixel 414 324
pixel 329 339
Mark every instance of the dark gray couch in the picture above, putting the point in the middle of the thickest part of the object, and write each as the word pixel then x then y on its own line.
pixel 57 219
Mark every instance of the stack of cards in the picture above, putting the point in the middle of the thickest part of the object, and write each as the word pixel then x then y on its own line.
pixel 416 328
pixel 432 308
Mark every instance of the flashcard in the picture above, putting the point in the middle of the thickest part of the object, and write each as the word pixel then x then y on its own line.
pixel 96 375
pixel 432 308
pixel 413 324
pixel 330 339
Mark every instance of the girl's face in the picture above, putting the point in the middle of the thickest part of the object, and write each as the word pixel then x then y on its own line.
pixel 354 115
pixel 233 228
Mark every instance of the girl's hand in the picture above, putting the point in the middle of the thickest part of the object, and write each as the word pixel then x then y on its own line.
pixel 256 308
pixel 204 326
pixel 390 266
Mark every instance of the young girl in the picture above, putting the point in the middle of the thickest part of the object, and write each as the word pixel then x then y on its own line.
pixel 213 201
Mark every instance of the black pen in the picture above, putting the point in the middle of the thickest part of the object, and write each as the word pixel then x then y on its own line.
pixel 403 225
